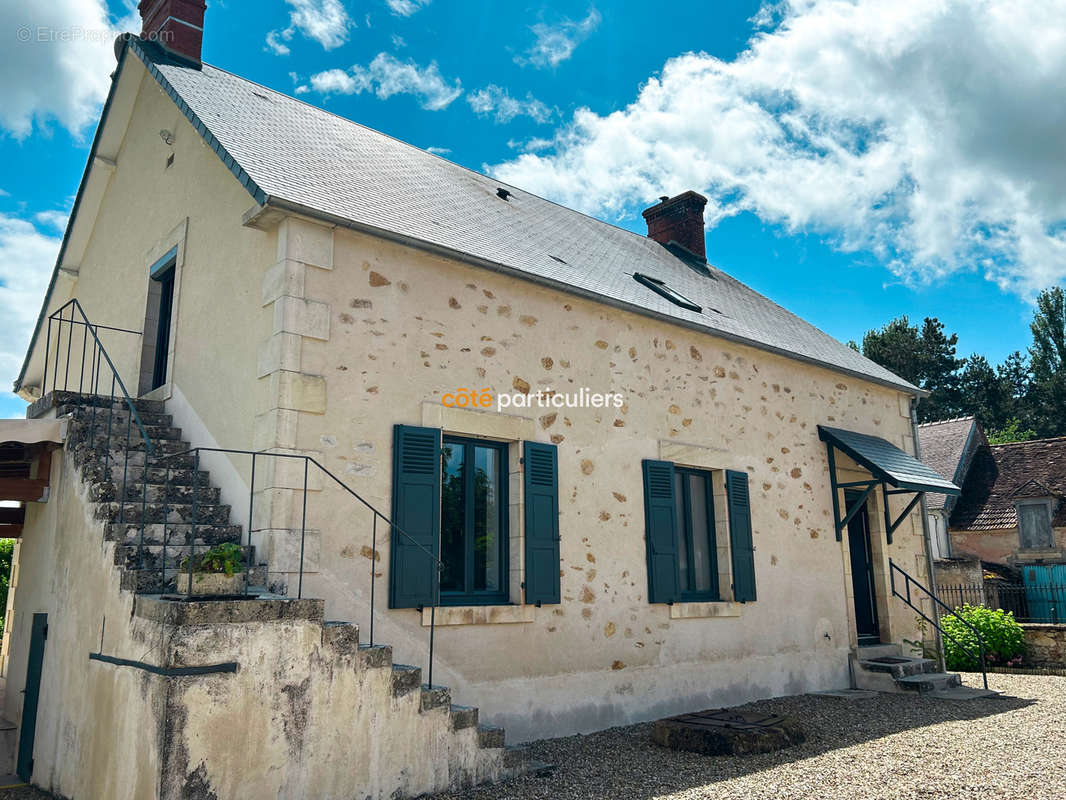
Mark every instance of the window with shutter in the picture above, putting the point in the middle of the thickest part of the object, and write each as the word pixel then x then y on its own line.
pixel 541 486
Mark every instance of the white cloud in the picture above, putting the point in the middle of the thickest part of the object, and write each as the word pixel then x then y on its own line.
pixel 927 133
pixel 496 101
pixel 406 8
pixel 53 219
pixel 439 151
pixel 325 21
pixel 26 260
pixel 556 43
pixel 398 41
pixel 55 63
pixel 385 76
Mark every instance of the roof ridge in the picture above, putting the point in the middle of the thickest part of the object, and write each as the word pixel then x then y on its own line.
pixel 944 421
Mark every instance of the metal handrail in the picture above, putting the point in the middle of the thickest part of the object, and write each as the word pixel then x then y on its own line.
pixel 62 320
pixel 908 580
pixel 308 461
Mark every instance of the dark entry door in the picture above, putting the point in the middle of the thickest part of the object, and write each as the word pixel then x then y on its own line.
pixel 38 634
pixel 162 337
pixel 862 574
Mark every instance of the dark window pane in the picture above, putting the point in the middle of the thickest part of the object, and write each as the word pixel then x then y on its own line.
pixel 486 518
pixel 682 534
pixel 700 533
pixel 452 518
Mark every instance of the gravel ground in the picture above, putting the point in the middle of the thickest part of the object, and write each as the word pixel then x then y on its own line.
pixel 891 746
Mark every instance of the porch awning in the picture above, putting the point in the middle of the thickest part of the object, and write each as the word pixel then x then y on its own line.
pixel 886 462
pixel 888 465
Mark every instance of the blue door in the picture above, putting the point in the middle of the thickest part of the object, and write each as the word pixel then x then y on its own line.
pixel 32 692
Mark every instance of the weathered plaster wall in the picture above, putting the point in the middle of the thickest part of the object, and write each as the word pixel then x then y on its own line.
pixel 997 546
pixel 959 572
pixel 97 724
pixel 406 327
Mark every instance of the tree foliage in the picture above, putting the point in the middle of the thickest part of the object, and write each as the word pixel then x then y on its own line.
pixel 1022 398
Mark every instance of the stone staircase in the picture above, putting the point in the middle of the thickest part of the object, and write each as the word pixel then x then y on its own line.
pixel 884 668
pixel 178 502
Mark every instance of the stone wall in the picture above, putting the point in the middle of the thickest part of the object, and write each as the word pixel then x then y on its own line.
pixel 959 572
pixel 1046 644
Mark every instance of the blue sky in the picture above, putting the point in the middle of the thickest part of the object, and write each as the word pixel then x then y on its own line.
pixel 850 183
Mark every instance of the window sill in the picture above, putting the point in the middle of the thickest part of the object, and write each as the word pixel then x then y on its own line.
pixel 479 615
pixel 704 610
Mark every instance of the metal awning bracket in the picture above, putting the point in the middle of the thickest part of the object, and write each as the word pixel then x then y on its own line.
pixel 868 486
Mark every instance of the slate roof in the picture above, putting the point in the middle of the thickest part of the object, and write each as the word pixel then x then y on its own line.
pixel 1002 473
pixel 943 446
pixel 293 154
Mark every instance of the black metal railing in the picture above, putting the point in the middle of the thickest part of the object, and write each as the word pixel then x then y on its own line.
pixel 1028 603
pixel 905 596
pixel 256 457
pixel 71 319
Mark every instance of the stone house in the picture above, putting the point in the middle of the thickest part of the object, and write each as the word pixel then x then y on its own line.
pixel 948 446
pixel 1012 510
pixel 582 475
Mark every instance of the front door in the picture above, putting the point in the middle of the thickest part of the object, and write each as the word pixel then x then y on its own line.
pixel 862 574
pixel 162 337
pixel 32 694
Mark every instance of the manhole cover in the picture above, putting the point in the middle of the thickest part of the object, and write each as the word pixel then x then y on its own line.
pixel 888 660
pixel 727 732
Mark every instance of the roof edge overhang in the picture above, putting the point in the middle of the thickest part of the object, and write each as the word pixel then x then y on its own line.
pixel 276 203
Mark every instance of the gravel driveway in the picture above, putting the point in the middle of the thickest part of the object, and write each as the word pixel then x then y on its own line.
pixel 890 746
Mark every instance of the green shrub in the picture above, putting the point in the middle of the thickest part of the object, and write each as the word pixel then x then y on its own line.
pixel 226 557
pixel 1004 638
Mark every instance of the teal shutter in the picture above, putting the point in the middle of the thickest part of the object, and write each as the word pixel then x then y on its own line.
pixel 415 511
pixel 660 536
pixel 541 484
pixel 740 539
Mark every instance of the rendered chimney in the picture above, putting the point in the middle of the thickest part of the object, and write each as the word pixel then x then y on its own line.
pixel 679 219
pixel 176 25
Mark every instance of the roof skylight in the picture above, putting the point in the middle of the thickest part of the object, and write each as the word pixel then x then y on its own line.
pixel 661 289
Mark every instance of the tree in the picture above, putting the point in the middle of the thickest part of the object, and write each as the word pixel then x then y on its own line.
pixel 925 358
pixel 1011 432
pixel 1047 391
pixel 985 393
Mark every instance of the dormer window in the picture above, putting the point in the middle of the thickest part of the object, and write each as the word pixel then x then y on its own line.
pixel 660 288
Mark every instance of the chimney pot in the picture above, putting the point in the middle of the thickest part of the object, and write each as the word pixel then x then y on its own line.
pixel 175 25
pixel 680 220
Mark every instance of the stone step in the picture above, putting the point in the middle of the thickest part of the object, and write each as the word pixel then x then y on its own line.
pixel 152 581
pixel 86 415
pixel 517 755
pixel 116 444
pixel 435 697
pixel 489 736
pixel 175 493
pixel 961 693
pixel 211 514
pixel 909 666
pixel 129 533
pixel 60 399
pixel 375 656
pixel 929 682
pixel 157 476
pixel 866 652
pixel 463 717
pixel 405 679
pixel 150 556
pixel 116 429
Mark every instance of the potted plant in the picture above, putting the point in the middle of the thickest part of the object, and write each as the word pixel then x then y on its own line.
pixel 216 571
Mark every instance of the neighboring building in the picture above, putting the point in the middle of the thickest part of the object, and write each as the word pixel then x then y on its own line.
pixel 1012 508
pixel 948 447
pixel 299 285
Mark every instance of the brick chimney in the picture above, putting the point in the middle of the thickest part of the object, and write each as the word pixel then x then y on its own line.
pixel 176 25
pixel 679 220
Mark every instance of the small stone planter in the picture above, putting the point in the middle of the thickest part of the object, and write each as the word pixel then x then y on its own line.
pixel 213 583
